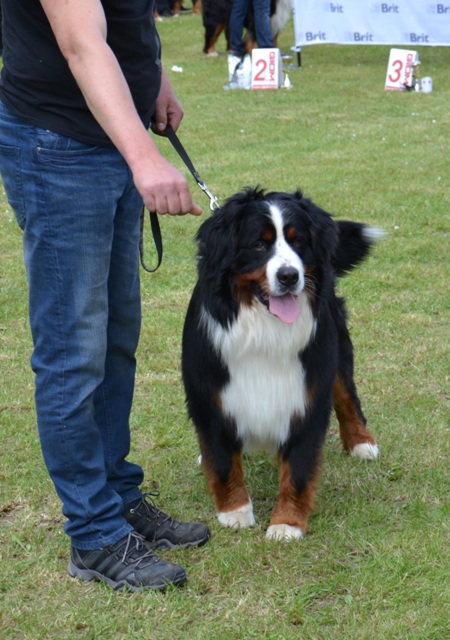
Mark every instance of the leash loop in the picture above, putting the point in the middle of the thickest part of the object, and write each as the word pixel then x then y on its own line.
pixel 157 239
pixel 154 222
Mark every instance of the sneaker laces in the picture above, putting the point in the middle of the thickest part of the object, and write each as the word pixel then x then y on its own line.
pixel 136 542
pixel 148 503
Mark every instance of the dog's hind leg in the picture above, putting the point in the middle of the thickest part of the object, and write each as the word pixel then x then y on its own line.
pixel 233 504
pixel 355 437
pixel 212 34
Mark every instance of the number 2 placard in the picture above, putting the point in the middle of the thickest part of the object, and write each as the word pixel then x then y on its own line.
pixel 399 71
pixel 266 69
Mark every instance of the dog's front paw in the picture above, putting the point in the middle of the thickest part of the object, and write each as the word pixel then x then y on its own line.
pixel 240 518
pixel 283 532
pixel 365 451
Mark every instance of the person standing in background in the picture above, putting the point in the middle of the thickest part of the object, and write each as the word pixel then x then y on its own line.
pixel 261 16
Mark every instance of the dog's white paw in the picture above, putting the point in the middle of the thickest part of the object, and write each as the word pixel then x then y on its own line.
pixel 365 451
pixel 240 518
pixel 283 532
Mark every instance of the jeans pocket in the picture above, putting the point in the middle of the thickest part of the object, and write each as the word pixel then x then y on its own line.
pixel 12 181
pixel 58 150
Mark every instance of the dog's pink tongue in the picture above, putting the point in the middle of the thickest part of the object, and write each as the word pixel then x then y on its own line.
pixel 284 307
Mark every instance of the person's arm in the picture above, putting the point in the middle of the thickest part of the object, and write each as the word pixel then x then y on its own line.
pixel 80 30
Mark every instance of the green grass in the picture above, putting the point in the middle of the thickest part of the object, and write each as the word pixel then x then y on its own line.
pixel 375 562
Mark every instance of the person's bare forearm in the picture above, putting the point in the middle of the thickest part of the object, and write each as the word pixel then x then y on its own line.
pixel 80 29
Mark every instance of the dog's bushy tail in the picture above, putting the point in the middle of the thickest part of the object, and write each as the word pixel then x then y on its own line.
pixel 355 241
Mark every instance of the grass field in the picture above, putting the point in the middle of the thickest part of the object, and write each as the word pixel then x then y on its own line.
pixel 375 564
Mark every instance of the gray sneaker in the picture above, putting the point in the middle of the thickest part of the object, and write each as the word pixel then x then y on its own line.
pixel 161 530
pixel 127 563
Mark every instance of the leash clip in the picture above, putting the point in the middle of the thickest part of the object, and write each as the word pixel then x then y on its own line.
pixel 213 202
pixel 170 133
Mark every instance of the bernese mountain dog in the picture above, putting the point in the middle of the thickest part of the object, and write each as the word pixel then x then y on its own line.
pixel 216 18
pixel 266 350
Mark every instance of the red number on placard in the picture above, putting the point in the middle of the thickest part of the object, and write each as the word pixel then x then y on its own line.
pixel 398 66
pixel 259 77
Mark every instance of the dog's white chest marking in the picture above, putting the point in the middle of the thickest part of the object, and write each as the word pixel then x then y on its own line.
pixel 267 380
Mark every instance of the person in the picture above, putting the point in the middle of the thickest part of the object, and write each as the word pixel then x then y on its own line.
pixel 163 8
pixel 81 84
pixel 169 8
pixel 261 16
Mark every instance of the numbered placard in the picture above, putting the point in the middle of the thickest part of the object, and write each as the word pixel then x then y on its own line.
pixel 266 69
pixel 400 69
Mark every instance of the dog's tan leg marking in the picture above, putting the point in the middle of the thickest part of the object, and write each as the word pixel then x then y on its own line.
pixel 290 516
pixel 233 504
pixel 197 7
pixel 356 439
pixel 211 51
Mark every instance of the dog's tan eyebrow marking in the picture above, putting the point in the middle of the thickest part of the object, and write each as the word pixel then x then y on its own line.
pixel 290 233
pixel 267 235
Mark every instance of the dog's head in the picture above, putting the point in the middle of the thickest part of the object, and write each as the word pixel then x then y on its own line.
pixel 265 248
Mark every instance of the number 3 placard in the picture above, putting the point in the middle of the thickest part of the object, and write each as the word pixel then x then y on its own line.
pixel 399 71
pixel 266 69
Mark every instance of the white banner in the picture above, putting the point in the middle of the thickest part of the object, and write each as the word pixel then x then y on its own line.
pixel 405 22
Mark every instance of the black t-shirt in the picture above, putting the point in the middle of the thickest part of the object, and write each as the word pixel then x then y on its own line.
pixel 37 85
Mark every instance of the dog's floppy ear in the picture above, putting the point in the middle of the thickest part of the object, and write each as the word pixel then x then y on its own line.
pixel 323 229
pixel 216 239
pixel 217 236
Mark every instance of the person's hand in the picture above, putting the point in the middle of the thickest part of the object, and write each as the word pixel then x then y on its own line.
pixel 164 189
pixel 168 110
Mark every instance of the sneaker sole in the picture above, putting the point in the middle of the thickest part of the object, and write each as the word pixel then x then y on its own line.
pixel 89 575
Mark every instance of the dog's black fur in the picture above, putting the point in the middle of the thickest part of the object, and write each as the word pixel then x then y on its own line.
pixel 267 267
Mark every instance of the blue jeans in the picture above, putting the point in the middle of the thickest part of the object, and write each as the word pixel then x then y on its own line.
pixel 79 211
pixel 261 16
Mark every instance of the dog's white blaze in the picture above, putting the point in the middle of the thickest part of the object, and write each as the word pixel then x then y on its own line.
pixel 261 354
pixel 284 255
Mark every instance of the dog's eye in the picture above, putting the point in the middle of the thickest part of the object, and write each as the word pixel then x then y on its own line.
pixel 261 245
pixel 296 242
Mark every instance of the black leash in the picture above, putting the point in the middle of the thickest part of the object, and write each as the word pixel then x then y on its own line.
pixel 157 239
pixel 154 222
pixel 170 133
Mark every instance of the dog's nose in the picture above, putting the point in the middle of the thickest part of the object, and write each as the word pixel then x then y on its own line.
pixel 287 276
